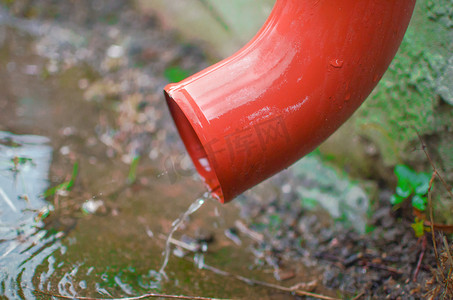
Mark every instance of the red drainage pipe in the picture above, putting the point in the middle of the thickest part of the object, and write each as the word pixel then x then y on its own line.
pixel 303 75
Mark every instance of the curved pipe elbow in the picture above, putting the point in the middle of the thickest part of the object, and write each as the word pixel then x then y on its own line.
pixel 303 75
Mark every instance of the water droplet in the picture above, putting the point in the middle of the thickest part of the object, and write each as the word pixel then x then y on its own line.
pixel 83 284
pixel 375 78
pixel 336 63
pixel 347 97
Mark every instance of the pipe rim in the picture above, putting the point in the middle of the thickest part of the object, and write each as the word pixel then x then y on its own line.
pixel 194 147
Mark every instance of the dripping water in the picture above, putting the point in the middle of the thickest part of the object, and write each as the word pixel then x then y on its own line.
pixel 176 224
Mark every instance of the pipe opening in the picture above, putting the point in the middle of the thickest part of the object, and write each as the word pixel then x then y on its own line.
pixel 195 149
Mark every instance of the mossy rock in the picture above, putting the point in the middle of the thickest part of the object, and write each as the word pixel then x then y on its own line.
pixel 416 93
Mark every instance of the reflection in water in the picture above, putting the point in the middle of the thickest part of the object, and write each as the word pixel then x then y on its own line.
pixel 24 168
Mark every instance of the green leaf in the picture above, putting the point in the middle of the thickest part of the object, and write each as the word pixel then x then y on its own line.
pixel 422 183
pixel 67 185
pixel 395 199
pixel 419 202
pixel 418 227
pixel 309 203
pixel 53 190
pixel 411 182
pixel 369 228
pixel 275 221
pixel 175 74
pixel 75 171
pixel 132 176
pixel 406 177
pixel 405 174
pixel 404 189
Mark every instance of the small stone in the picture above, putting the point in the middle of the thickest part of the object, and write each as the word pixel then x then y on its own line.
pixel 285 274
pixel 92 206
pixel 115 51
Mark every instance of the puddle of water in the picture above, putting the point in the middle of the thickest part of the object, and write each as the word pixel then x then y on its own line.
pixel 24 169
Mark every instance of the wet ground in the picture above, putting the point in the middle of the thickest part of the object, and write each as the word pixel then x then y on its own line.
pixel 92 175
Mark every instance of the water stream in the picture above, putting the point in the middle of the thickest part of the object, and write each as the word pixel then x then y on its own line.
pixel 175 225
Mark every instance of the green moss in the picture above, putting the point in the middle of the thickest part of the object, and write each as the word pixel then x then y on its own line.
pixel 407 97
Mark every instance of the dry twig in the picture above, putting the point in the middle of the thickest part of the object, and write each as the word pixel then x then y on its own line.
pixel 431 218
pixel 296 289
pixel 450 259
pixel 424 148
pixel 145 296
pixel 420 258
pixel 384 267
pixel 445 228
pixel 257 237
pixel 359 296
pixel 447 250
